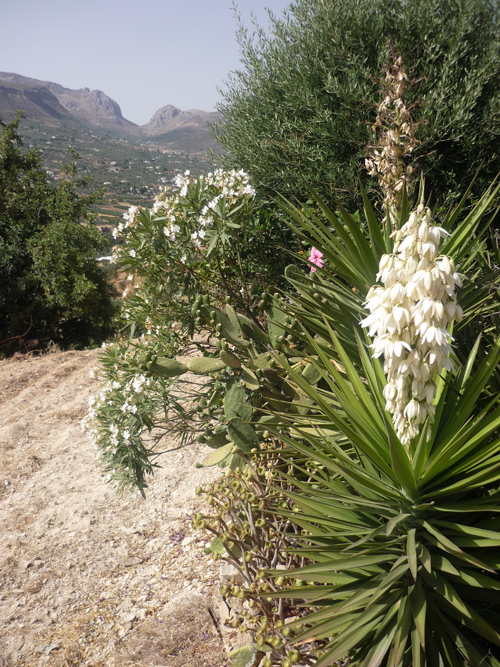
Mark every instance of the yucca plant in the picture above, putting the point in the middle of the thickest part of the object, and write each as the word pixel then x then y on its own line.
pixel 402 537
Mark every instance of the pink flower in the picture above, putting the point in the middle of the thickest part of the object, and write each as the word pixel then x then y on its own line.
pixel 316 257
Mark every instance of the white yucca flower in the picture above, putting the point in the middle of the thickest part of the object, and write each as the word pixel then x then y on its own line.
pixel 409 320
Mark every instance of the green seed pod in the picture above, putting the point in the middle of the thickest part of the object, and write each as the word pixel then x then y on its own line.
pixel 294 657
pixel 279 581
pixel 199 490
pixel 224 590
pixel 267 662
pixel 264 622
pixel 286 662
pixel 247 556
pixel 276 642
pixel 287 631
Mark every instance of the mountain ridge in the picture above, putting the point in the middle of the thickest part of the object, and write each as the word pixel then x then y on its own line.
pixel 47 101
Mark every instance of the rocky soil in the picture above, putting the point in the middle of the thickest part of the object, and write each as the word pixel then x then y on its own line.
pixel 88 578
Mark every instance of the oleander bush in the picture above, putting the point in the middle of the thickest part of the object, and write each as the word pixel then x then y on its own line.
pixel 194 286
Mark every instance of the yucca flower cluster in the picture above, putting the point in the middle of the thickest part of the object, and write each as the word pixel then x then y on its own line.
pixel 409 319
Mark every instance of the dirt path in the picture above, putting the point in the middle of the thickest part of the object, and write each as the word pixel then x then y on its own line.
pixel 86 577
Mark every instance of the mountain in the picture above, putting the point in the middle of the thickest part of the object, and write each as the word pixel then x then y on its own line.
pixel 51 104
pixel 36 102
pixel 186 130
pixel 170 118
pixel 90 107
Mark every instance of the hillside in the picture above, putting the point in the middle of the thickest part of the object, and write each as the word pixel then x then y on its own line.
pixel 46 101
pixel 88 577
pixel 36 101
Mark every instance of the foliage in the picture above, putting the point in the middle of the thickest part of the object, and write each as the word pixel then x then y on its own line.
pixel 298 108
pixel 385 547
pixel 194 247
pixel 132 411
pixel 53 288
pixel 205 239
pixel 401 540
pixel 249 533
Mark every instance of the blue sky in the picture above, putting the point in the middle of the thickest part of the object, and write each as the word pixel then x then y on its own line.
pixel 142 53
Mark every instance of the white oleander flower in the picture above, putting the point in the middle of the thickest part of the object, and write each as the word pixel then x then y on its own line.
pixel 409 320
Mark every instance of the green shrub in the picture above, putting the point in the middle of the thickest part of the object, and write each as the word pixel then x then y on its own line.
pixel 184 257
pixel 400 532
pixel 52 286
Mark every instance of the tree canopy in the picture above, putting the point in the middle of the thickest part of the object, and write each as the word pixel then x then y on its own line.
pixel 302 105
pixel 52 287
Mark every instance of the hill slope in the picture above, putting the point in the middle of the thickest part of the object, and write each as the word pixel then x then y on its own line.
pixel 48 103
pixel 88 577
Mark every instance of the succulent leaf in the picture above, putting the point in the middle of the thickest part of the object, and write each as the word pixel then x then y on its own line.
pixel 205 365
pixel 230 359
pixel 168 368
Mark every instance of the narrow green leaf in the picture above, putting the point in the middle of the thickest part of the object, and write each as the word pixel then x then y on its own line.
pixel 401 462
pixel 418 605
pixel 452 548
pixel 411 552
pixel 401 635
pixel 376 236
pixel 417 652
pixel 424 557
pixel 392 523
pixel 465 405
pixel 474 620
